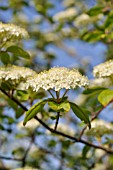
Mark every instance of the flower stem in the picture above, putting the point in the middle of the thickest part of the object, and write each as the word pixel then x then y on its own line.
pixel 58 113
pixel 65 93
pixel 57 120
pixel 51 94
pixel 57 95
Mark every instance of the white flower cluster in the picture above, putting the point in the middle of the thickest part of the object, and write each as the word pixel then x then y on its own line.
pixel 82 19
pixel 100 128
pixel 57 78
pixel 105 82
pixel 11 32
pixel 51 37
pixel 14 73
pixel 104 70
pixel 69 13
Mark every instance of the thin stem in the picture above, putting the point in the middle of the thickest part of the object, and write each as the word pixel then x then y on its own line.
pixel 51 94
pixel 65 93
pixel 58 113
pixel 57 120
pixel 57 95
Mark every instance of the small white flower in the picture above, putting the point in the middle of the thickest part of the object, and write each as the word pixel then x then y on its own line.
pixel 104 70
pixel 15 74
pixel 11 32
pixel 105 82
pixel 103 123
pixel 69 13
pixel 57 78
pixel 82 19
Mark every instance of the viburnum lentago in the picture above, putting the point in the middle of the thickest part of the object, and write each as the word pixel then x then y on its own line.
pixel 15 74
pixel 104 70
pixel 11 32
pixel 57 78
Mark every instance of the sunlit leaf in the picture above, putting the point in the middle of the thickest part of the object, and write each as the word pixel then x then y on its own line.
pixel 105 97
pixel 23 95
pixel 62 106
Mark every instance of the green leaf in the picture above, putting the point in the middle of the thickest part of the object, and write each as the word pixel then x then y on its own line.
pixel 12 104
pixel 4 8
pixel 34 110
pixel 109 20
pixel 19 113
pixel 95 10
pixel 82 114
pixel 23 95
pixel 18 151
pixel 93 90
pixel 6 86
pixel 18 52
pixel 93 36
pixel 105 97
pixel 62 106
pixel 5 58
pixel 85 151
pixel 1 127
pixel 52 143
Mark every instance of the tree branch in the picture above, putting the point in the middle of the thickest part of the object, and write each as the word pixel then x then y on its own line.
pixel 14 99
pixel 74 138
pixel 107 150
